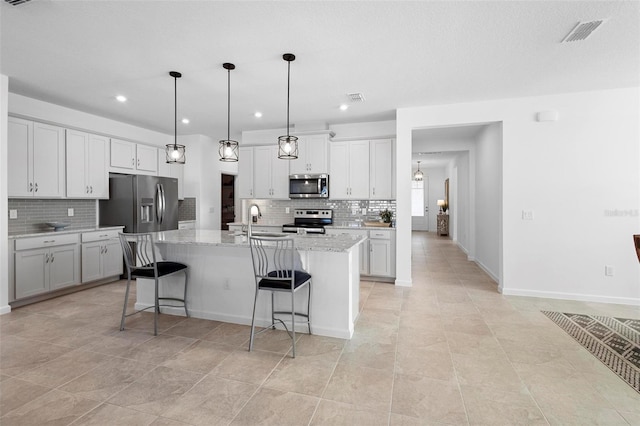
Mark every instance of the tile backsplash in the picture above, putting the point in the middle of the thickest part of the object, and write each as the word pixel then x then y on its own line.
pixel 32 214
pixel 187 209
pixel 274 211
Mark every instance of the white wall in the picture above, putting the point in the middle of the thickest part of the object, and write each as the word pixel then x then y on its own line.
pixel 579 175
pixel 4 225
pixel 488 186
pixel 461 193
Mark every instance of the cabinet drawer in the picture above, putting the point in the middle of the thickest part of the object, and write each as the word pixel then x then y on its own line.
pixel 46 241
pixel 380 235
pixel 99 235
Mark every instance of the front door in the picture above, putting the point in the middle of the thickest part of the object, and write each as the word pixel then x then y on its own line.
pixel 227 201
pixel 420 204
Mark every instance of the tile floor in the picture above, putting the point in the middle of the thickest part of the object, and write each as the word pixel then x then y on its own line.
pixel 449 350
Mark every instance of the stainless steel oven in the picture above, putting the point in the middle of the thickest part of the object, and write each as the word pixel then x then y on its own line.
pixel 309 186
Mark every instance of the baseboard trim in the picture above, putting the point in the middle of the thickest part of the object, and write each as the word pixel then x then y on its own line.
pixel 487 271
pixel 5 309
pixel 403 283
pixel 571 296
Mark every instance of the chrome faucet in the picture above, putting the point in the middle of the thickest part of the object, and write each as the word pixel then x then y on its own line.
pixel 250 217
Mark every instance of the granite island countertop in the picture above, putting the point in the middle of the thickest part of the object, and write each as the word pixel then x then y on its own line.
pixel 210 237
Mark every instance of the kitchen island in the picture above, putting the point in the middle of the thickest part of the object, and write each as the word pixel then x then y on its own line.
pixel 222 286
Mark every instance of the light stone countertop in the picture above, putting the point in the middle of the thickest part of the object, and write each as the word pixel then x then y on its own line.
pixel 334 243
pixel 66 231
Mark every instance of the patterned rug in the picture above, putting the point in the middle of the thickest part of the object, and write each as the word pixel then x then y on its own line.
pixel 614 341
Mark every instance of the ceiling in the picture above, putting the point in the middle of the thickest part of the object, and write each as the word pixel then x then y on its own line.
pixel 81 54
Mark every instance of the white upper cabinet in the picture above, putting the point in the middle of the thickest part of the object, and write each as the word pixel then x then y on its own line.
pixel 312 155
pixel 349 170
pixel 245 172
pixel 271 174
pixel 381 171
pixel 36 159
pixel 87 173
pixel 131 157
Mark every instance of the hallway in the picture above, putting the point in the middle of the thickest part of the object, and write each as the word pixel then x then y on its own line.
pixel 449 350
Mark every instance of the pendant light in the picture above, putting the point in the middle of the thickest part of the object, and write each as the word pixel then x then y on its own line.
pixel 418 175
pixel 228 149
pixel 175 153
pixel 288 145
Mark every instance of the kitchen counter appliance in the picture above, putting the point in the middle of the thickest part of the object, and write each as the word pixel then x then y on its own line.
pixel 141 203
pixel 311 221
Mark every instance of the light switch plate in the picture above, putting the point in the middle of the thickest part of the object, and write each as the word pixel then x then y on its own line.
pixel 13 214
pixel 70 212
pixel 286 209
pixel 527 214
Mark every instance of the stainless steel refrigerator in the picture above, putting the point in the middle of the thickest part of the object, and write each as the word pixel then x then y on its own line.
pixel 141 203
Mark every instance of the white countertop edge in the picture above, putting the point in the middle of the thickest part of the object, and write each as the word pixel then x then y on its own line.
pixel 66 231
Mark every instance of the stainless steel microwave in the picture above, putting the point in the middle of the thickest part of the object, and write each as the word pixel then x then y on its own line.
pixel 309 186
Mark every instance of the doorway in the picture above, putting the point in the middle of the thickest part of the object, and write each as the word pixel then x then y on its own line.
pixel 227 201
pixel 420 204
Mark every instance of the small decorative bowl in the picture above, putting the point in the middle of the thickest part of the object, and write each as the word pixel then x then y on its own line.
pixel 57 226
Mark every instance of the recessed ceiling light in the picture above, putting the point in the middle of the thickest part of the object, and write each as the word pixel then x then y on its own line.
pixel 185 121
pixel 121 98
pixel 344 107
pixel 258 114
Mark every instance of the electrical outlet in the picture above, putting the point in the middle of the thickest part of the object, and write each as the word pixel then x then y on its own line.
pixel 211 210
pixel 13 214
pixel 609 270
pixel 286 209
pixel 69 212
pixel 527 214
pixel 364 211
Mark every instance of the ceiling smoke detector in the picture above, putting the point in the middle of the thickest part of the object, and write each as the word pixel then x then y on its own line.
pixel 582 30
pixel 355 97
pixel 16 2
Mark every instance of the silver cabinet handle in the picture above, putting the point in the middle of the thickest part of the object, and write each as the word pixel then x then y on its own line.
pixel 36 187
pixel 133 161
pixel 104 235
pixel 46 258
pixel 30 186
pixel 49 241
pixel 106 249
pixel 138 162
pixel 52 258
pixel 91 188
pixel 86 189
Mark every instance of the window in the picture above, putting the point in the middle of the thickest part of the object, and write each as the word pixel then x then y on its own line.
pixel 417 198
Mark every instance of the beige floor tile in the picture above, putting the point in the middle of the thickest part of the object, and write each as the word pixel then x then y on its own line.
pixel 119 343
pixel 486 405
pixel 144 321
pixel 369 354
pixel 400 420
pixel 107 414
pixel 53 408
pixel 107 379
pixel 19 355
pixel 277 341
pixel 213 400
pixel 251 367
pixel 158 350
pixel 358 385
pixel 230 334
pixel 430 400
pixel 433 364
pixel 494 371
pixel 199 357
pixel 332 413
pixel 153 392
pixel 273 407
pixel 470 344
pixel 324 349
pixel 194 328
pixel 14 393
pixel 303 375
pixel 64 368
pixel 163 421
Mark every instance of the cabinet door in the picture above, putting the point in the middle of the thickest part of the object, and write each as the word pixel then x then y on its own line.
pixel 147 158
pixel 76 153
pixel 339 171
pixel 262 172
pixel 48 160
pixel 359 170
pixel 31 272
pixel 316 154
pixel 245 173
pixel 364 258
pixel 91 254
pixel 379 257
pixel 64 266
pixel 381 166
pixel 279 176
pixel 20 160
pixel 123 154
pixel 300 166
pixel 164 168
pixel 112 258
pixel 97 170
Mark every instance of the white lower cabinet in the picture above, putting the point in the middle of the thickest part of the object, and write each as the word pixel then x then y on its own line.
pixel 44 264
pixel 101 255
pixel 377 252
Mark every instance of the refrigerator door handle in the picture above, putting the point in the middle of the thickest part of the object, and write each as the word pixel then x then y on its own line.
pixel 164 203
pixel 159 202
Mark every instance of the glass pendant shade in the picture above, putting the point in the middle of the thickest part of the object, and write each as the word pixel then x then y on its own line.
pixel 418 175
pixel 287 144
pixel 228 149
pixel 175 152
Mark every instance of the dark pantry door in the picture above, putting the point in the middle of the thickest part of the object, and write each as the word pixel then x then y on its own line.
pixel 227 201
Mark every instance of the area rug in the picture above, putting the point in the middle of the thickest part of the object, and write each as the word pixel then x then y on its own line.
pixel 614 341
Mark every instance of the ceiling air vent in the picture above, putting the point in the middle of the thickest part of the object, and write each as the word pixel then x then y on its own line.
pixel 355 97
pixel 16 2
pixel 582 30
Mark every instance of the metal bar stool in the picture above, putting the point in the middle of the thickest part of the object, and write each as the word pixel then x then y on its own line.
pixel 138 249
pixel 274 270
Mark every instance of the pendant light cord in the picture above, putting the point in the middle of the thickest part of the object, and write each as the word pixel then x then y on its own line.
pixel 288 88
pixel 175 105
pixel 228 104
